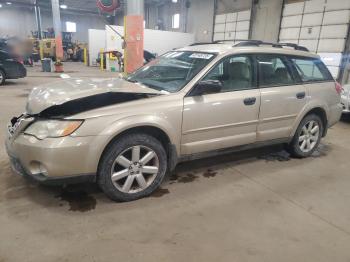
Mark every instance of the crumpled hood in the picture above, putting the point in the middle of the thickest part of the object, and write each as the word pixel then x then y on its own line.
pixel 65 90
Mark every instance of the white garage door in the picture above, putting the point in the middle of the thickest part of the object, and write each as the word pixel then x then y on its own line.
pixel 232 26
pixel 320 25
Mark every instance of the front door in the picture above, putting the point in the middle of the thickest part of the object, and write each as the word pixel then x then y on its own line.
pixel 227 118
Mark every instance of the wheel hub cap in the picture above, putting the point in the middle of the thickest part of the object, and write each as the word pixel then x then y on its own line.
pixel 309 136
pixel 135 169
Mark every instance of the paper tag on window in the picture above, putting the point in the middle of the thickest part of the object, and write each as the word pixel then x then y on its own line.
pixel 201 56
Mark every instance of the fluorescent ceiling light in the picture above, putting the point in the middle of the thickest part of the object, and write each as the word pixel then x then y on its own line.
pixel 63 6
pixel 0 5
pixel 8 3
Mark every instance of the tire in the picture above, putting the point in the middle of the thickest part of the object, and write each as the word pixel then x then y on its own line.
pixel 127 183
pixel 2 77
pixel 312 137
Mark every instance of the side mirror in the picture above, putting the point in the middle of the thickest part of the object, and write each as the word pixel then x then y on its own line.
pixel 206 87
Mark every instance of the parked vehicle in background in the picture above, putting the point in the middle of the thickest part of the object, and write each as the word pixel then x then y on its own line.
pixel 189 103
pixel 345 99
pixel 10 67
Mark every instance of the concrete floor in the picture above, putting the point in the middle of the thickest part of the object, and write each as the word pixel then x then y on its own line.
pixel 258 205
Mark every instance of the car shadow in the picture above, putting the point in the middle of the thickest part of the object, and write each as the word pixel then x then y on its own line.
pixel 85 197
pixel 9 83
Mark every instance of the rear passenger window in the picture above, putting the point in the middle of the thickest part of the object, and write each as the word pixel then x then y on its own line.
pixel 311 69
pixel 273 71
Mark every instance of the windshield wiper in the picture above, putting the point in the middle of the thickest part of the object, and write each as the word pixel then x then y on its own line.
pixel 145 84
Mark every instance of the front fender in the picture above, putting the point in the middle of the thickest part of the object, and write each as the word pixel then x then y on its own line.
pixel 126 123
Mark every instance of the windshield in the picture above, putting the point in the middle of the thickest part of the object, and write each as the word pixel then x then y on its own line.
pixel 171 71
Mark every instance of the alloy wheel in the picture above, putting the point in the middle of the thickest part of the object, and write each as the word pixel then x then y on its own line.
pixel 135 169
pixel 309 136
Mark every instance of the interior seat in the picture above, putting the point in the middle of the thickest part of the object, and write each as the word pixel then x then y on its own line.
pixel 239 77
pixel 282 76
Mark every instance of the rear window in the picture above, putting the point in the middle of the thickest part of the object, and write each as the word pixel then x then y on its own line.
pixel 311 70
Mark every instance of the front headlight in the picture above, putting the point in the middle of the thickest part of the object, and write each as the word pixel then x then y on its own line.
pixel 52 128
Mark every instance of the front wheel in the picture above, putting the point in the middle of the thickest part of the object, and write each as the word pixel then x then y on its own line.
pixel 132 167
pixel 307 137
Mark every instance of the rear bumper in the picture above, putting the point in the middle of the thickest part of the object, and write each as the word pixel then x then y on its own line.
pixel 335 113
pixel 20 73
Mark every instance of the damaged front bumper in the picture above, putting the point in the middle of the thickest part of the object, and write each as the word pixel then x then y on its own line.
pixel 62 160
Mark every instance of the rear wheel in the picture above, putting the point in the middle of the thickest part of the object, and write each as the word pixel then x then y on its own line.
pixel 307 137
pixel 2 77
pixel 132 167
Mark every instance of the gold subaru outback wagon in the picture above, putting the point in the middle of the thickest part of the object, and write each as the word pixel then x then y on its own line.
pixel 197 101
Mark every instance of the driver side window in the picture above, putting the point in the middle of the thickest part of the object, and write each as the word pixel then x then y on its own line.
pixel 235 73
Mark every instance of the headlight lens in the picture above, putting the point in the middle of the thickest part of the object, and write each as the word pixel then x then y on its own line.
pixel 52 128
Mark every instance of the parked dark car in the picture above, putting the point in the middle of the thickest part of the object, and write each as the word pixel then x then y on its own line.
pixel 10 67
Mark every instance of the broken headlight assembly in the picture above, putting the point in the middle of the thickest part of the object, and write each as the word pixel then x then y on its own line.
pixel 42 129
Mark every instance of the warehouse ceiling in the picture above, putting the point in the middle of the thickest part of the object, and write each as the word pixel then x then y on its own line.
pixel 72 5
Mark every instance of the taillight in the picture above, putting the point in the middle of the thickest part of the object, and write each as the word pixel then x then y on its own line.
pixel 18 59
pixel 338 88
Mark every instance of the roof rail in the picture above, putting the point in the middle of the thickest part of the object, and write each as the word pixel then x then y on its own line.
pixel 277 45
pixel 210 43
pixel 202 43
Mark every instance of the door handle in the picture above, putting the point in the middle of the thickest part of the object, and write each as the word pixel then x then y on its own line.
pixel 300 95
pixel 249 101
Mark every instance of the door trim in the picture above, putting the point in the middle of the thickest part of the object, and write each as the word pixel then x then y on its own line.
pixel 253 122
pixel 212 153
pixel 277 118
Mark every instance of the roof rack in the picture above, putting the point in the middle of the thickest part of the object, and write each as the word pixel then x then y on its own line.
pixel 245 42
pixel 277 45
pixel 210 43
pixel 203 43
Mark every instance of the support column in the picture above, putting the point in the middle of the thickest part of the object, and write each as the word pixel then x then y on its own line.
pixel 134 35
pixel 38 20
pixel 57 28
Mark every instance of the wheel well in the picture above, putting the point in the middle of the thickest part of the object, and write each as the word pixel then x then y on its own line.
pixel 149 130
pixel 322 114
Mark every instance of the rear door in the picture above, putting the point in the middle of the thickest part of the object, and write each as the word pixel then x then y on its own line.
pixel 282 96
pixel 8 64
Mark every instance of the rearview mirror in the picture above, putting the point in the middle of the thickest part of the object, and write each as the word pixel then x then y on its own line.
pixel 206 87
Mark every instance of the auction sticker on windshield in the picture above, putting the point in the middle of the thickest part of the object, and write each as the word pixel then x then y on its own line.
pixel 201 56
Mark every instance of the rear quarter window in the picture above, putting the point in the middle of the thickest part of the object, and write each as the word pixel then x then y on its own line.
pixel 311 70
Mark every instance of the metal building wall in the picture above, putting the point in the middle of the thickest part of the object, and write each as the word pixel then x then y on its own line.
pixel 321 26
pixel 232 26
